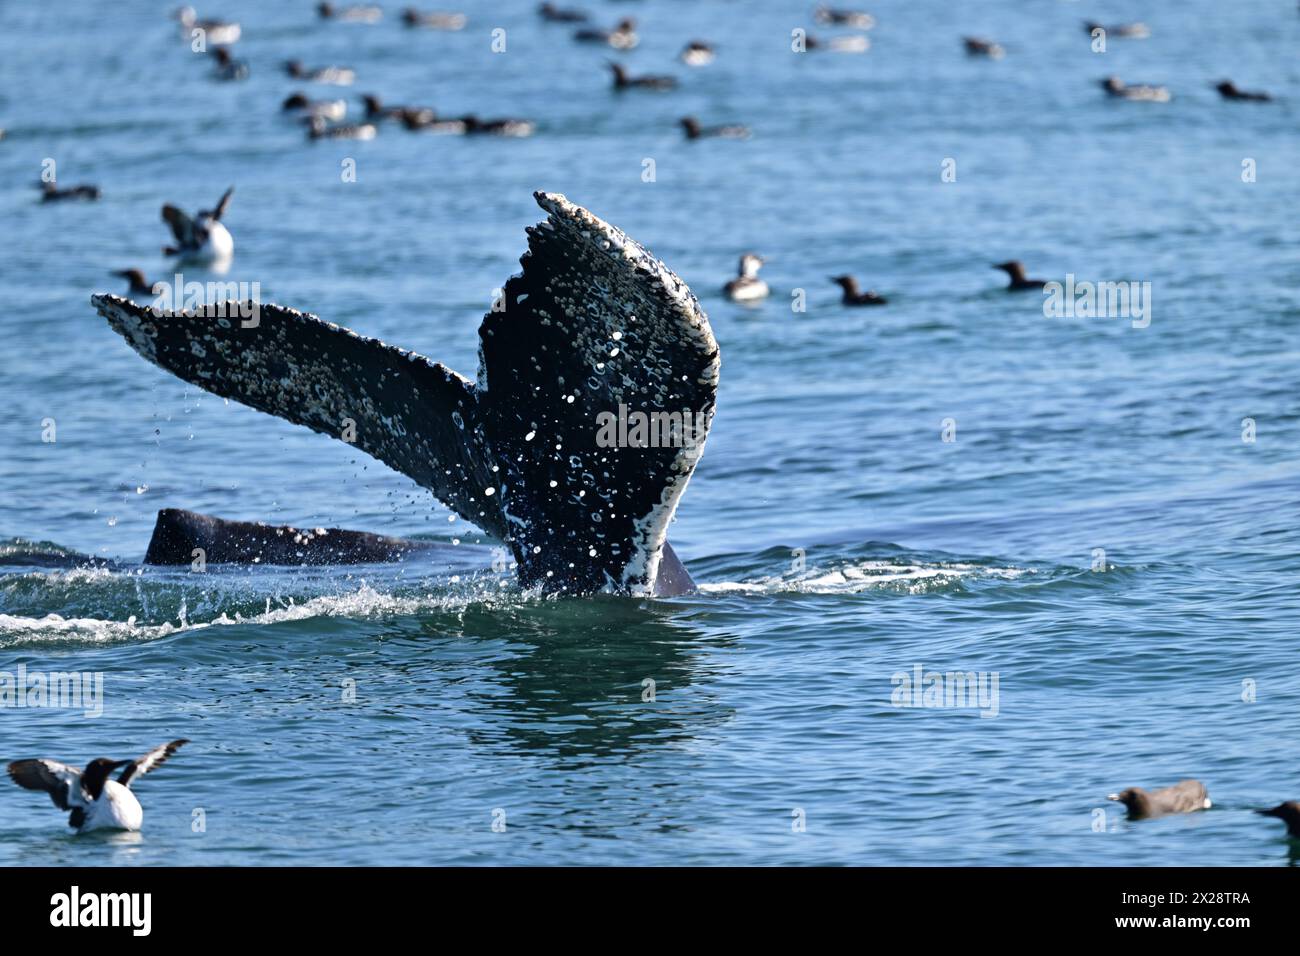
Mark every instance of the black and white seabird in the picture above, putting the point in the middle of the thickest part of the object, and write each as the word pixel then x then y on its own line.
pixel 553 14
pixel 622 37
pixel 376 110
pixel 139 284
pixel 979 46
pixel 332 110
pixel 747 286
pixel 317 128
pixel 1124 31
pixel 498 127
pixel 1186 796
pixel 693 130
pixel 844 18
pixel 851 294
pixel 1142 92
pixel 228 68
pixel 697 53
pixel 95 802
pixel 624 81
pixel 357 13
pixel 50 192
pixel 414 19
pixel 203 240
pixel 1015 269
pixel 214 31
pixel 1288 813
pixel 1228 90
pixel 329 75
pixel 594 329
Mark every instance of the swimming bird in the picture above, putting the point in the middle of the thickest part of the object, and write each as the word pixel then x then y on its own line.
pixel 622 37
pixel 747 286
pixel 622 81
pixel 204 239
pixel 844 18
pixel 553 14
pixel 1016 270
pixel 317 128
pixel 691 126
pixel 1288 813
pixel 424 120
pixel 376 110
pixel 333 110
pixel 214 31
pixel 1116 87
pixel 139 284
pixel 498 127
pixel 522 449
pixel 50 192
pixel 95 802
pixel 228 68
pixel 851 294
pixel 697 53
pixel 413 19
pixel 1228 90
pixel 356 13
pixel 978 46
pixel 1185 796
pixel 1125 31
pixel 334 75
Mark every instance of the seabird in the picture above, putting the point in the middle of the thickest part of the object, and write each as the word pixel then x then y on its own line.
pixel 335 75
pixel 691 126
pixel 498 127
pixel 214 31
pixel 1288 813
pixel 424 120
pixel 376 110
pixel 228 68
pixel 747 286
pixel 317 128
pixel 1185 796
pixel 413 18
pixel 622 37
pixel 203 239
pixel 1126 31
pixel 553 14
pixel 1116 87
pixel 1228 90
pixel 844 18
pixel 851 294
pixel 50 192
pixel 333 110
pixel 353 14
pixel 1016 270
pixel 95 802
pixel 139 284
pixel 622 81
pixel 978 46
pixel 697 53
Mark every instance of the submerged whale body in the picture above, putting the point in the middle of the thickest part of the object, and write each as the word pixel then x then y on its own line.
pixel 594 323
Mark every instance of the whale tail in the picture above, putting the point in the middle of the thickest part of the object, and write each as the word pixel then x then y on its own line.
pixel 597 379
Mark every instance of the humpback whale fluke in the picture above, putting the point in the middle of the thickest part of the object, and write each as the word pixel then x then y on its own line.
pixel 593 328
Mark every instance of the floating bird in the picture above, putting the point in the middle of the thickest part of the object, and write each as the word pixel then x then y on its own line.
pixel 1288 813
pixel 139 284
pixel 1228 90
pixel 95 802
pixel 747 286
pixel 335 75
pixel 844 18
pixel 1116 87
pixel 214 31
pixel 553 14
pixel 413 19
pixel 691 126
pixel 50 192
pixel 317 128
pixel 353 14
pixel 1185 796
pixel 622 81
pixel 424 120
pixel 203 239
pixel 1125 31
pixel 622 37
pixel 1016 270
pixel 697 53
pixel 498 127
pixel 376 110
pixel 851 294
pixel 978 46
pixel 228 68
pixel 333 110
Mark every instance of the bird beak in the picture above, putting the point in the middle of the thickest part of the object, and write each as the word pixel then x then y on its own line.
pixel 1112 796
pixel 1270 812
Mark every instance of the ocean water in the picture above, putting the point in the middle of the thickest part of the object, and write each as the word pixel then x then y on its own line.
pixel 1100 537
